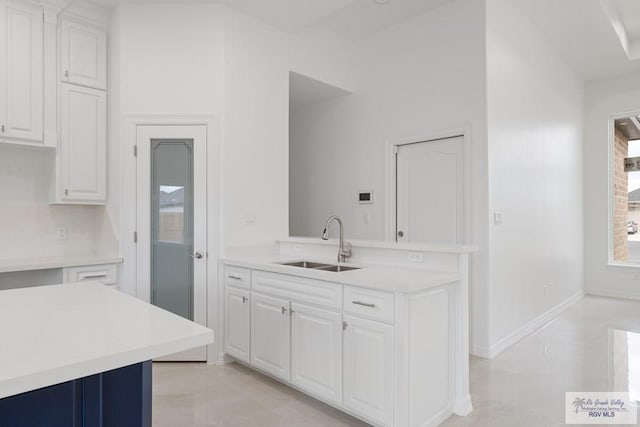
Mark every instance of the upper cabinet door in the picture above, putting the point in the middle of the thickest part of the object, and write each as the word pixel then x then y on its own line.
pixel 83 144
pixel 83 55
pixel 21 75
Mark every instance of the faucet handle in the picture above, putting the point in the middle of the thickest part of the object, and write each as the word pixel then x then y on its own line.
pixel 346 251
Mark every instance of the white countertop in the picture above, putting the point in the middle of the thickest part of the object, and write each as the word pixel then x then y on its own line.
pixel 27 264
pixel 53 334
pixel 391 279
pixel 386 244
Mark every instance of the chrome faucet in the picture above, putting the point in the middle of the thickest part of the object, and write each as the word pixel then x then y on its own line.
pixel 344 251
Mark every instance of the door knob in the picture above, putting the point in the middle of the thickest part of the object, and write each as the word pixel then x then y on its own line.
pixel 400 233
pixel 197 255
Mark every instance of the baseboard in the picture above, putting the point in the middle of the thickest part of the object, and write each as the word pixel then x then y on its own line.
pixel 612 294
pixel 480 351
pixel 463 407
pixel 527 329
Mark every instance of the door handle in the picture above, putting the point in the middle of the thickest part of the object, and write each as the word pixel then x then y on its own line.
pixel 197 255
pixel 400 233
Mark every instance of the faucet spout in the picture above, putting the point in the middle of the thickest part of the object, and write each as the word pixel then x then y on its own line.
pixel 344 251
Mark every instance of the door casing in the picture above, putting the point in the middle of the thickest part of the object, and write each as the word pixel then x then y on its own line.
pixel 123 180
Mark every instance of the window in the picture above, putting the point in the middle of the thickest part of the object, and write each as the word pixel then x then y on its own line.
pixel 625 237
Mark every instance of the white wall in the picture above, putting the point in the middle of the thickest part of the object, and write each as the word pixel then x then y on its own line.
pixel 535 121
pixel 415 79
pixel 164 59
pixel 604 98
pixel 257 62
pixel 408 84
pixel 29 223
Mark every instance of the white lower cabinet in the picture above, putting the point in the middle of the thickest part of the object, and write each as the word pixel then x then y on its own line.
pixel 271 335
pixel 368 368
pixel 316 351
pixel 386 358
pixel 237 323
pixel 107 274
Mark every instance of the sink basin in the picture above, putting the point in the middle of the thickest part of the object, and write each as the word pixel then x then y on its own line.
pixel 306 264
pixel 337 268
pixel 319 266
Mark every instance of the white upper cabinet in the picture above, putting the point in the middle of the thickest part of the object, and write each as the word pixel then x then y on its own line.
pixel 82 149
pixel 83 55
pixel 21 73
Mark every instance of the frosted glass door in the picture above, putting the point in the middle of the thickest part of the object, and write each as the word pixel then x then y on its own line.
pixel 171 222
pixel 172 226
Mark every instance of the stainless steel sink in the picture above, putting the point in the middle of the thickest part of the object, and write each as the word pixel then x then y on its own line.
pixel 319 266
pixel 306 264
pixel 337 268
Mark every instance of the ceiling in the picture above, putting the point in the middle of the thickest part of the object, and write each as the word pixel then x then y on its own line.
pixel 597 38
pixel 351 18
pixel 583 34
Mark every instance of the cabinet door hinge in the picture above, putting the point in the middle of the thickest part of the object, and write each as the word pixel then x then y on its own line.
pixel 135 151
pixel 135 237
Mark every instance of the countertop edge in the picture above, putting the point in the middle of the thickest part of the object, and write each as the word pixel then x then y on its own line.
pixel 30 264
pixel 346 278
pixel 13 386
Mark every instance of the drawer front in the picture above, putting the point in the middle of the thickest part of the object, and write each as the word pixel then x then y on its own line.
pixel 369 303
pixel 106 274
pixel 237 277
pixel 299 289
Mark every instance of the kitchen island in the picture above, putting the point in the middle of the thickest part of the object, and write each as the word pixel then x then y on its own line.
pixel 80 354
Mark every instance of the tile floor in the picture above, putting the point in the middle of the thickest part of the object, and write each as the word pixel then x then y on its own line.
pixel 524 386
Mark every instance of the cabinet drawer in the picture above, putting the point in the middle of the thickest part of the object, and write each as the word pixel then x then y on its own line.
pixel 237 277
pixel 106 274
pixel 299 289
pixel 369 303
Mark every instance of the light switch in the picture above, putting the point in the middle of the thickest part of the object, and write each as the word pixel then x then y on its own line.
pixel 497 218
pixel 250 219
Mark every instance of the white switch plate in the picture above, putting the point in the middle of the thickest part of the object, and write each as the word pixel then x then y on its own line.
pixel 416 257
pixel 250 219
pixel 497 218
pixel 61 233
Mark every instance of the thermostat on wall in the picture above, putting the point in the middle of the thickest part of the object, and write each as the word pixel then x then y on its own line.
pixel 365 197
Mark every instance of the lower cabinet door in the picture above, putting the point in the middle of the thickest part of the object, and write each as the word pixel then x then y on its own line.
pixel 316 351
pixel 270 335
pixel 237 323
pixel 368 368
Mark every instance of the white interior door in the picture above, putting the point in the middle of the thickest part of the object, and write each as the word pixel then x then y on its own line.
pixel 171 269
pixel 430 191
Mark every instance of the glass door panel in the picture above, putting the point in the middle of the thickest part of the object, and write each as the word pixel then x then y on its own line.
pixel 172 226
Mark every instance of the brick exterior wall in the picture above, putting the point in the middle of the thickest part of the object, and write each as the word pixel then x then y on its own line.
pixel 621 198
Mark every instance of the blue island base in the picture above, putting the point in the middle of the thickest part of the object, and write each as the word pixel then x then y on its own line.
pixel 117 398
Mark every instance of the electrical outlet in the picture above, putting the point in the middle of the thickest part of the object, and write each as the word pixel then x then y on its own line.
pixel 61 233
pixel 544 290
pixel 416 257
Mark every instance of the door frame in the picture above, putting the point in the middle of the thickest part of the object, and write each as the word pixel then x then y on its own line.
pixel 214 208
pixel 391 147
